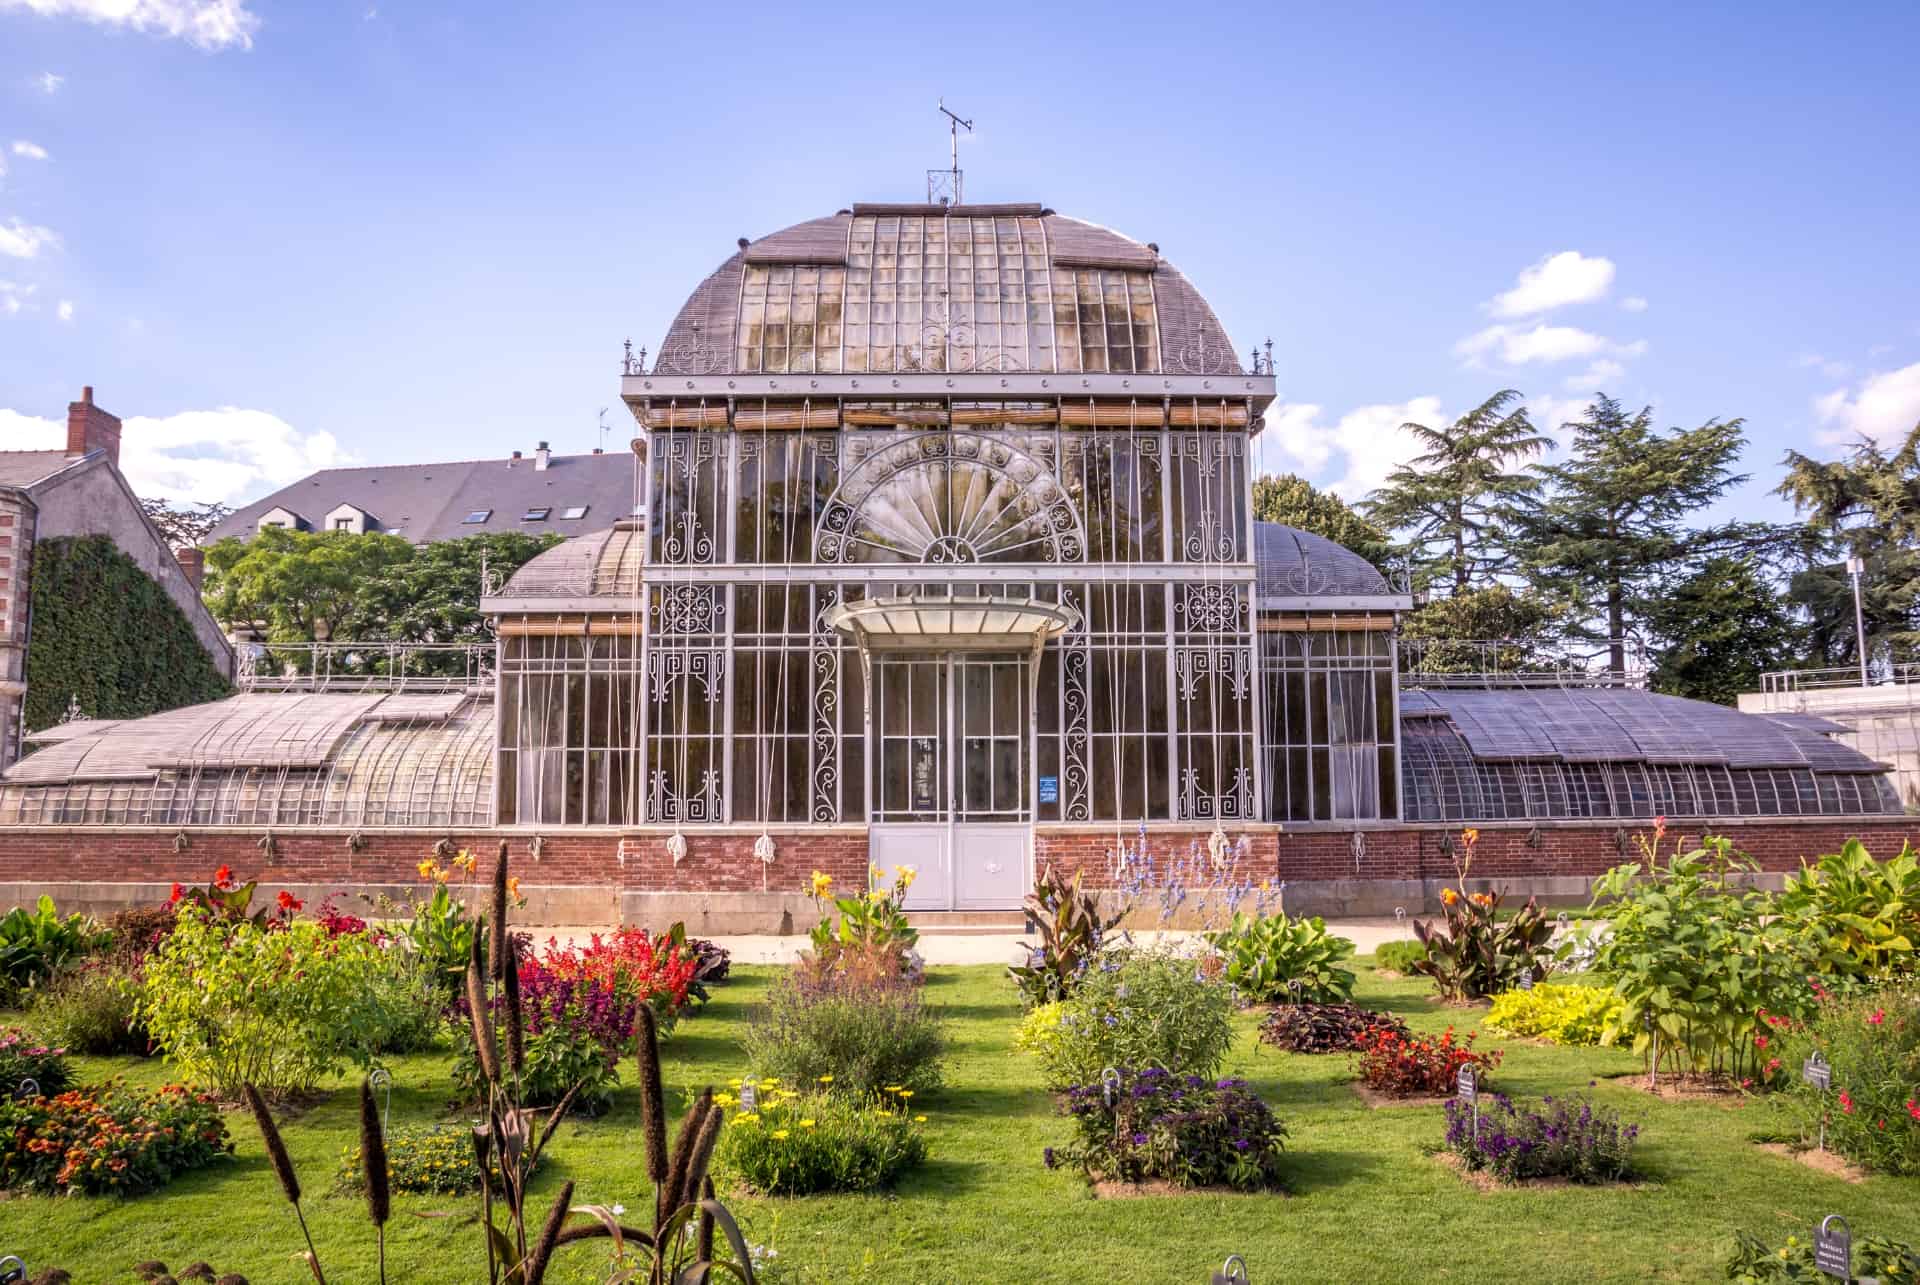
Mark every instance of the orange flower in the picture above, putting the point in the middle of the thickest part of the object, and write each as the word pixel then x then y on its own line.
pixel 1470 836
pixel 1481 899
pixel 1449 896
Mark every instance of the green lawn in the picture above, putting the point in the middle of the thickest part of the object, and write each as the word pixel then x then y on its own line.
pixel 1366 1204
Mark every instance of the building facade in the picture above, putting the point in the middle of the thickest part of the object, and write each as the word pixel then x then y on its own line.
pixel 942 554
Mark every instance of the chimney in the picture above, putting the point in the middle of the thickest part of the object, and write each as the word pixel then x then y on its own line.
pixel 515 460
pixel 541 455
pixel 91 429
pixel 598 451
pixel 194 563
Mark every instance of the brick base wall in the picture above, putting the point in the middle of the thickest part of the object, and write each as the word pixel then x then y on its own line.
pixel 1328 871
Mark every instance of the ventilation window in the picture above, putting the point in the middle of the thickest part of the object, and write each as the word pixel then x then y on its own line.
pixel 536 514
pixel 476 517
pixel 573 513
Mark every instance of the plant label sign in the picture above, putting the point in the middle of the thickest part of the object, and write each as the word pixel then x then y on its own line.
pixel 749 1097
pixel 1817 1072
pixel 1526 981
pixel 1833 1247
pixel 1467 1083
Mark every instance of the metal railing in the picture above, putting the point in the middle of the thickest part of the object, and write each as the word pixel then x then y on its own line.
pixel 1804 680
pixel 362 666
pixel 1503 662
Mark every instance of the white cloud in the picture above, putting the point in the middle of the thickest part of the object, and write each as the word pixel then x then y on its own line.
pixel 49 83
pixel 66 310
pixel 13 297
pixel 1594 377
pixel 1555 281
pixel 1369 437
pixel 209 24
pixel 33 151
pixel 1519 346
pixel 1634 303
pixel 227 456
pixel 20 240
pixel 1549 413
pixel 1884 408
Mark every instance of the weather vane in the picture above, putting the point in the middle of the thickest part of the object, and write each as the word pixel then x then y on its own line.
pixel 943 186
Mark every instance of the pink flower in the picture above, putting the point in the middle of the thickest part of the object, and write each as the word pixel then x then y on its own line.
pixel 1773 1064
pixel 1760 1041
pixel 1913 1108
pixel 1876 1017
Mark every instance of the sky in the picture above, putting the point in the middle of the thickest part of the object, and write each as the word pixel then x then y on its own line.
pixel 281 236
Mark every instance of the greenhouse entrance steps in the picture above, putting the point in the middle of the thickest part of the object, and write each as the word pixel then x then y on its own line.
pixel 968 923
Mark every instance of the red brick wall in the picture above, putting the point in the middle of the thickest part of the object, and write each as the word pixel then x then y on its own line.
pixel 1417 852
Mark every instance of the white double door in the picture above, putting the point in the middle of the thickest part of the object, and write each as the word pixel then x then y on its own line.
pixel 953 780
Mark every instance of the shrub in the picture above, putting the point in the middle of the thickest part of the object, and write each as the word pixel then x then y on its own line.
pixel 1696 959
pixel 1872 1042
pixel 109 1138
pixel 1398 956
pixel 407 995
pixel 867 1029
pixel 1135 1008
pixel 1562 1014
pixel 132 932
pixel 426 1160
pixel 1481 951
pixel 24 1058
pixel 1754 1262
pixel 577 1026
pixel 1870 908
pixel 1072 931
pixel 633 965
pixel 35 944
pixel 1276 958
pixel 801 1144
pixel 92 1009
pixel 232 1002
pixel 1420 1066
pixel 1563 1137
pixel 1154 1125
pixel 1324 1028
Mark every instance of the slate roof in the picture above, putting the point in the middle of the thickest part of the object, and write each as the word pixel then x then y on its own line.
pixel 704 338
pixel 24 468
pixel 1290 563
pixel 428 502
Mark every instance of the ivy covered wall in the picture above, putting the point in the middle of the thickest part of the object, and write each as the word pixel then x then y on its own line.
pixel 105 633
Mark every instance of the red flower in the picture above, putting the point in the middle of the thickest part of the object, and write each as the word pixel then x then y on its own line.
pixel 1846 1102
pixel 223 877
pixel 178 892
pixel 289 902
pixel 1913 1108
pixel 1876 1017
pixel 1773 1064
pixel 1759 1041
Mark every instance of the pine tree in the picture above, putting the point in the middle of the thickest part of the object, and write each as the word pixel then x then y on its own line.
pixel 1454 503
pixel 1295 502
pixel 1613 518
pixel 1718 629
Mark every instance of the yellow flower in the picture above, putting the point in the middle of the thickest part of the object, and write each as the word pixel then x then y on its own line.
pixel 780 1134
pixel 769 1080
pixel 806 1124
pixel 513 886
pixel 882 1111
pixel 465 861
pixel 875 873
pixel 919 1119
pixel 1449 896
pixel 1471 835
pixel 826 1079
pixel 724 1099
pixel 877 896
pixel 747 1117
pixel 735 1082
pixel 822 883
pixel 425 868
pixel 906 1093
pixel 906 875
pixel 893 1088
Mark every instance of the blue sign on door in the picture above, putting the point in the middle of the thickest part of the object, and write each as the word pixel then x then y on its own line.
pixel 1049 789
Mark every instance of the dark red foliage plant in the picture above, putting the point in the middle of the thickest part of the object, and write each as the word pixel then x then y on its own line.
pixel 1417 1066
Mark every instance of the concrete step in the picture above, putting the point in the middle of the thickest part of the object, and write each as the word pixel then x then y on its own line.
pixel 967 923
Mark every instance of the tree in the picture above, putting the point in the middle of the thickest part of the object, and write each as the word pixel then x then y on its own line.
pixel 1295 502
pixel 1475 631
pixel 297 586
pixel 1718 629
pixel 1454 503
pixel 434 596
pixel 1866 505
pixel 185 528
pixel 1611 523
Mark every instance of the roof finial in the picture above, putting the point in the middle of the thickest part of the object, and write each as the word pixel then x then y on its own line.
pixel 943 186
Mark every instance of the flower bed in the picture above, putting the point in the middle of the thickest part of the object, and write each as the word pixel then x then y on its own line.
pixel 1754 1262
pixel 24 1058
pixel 1872 1043
pixel 431 1160
pixel 1566 1138
pixel 802 1144
pixel 1425 1065
pixel 107 1138
pixel 1325 1028
pixel 1141 1008
pixel 860 1022
pixel 1560 1014
pixel 1156 1126
pixel 633 964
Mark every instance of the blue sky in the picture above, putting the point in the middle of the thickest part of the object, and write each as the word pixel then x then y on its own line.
pixel 278 235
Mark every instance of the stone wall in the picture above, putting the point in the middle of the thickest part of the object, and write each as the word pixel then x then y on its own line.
pixel 585 878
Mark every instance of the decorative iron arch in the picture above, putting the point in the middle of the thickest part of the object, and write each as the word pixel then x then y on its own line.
pixel 956 497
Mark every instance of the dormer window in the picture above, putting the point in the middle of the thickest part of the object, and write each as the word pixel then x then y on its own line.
pixel 476 517
pixel 537 514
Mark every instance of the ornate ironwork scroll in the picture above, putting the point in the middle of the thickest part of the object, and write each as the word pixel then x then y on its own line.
pixel 825 668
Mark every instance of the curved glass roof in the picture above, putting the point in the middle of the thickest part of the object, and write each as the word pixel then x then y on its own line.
pixel 905 288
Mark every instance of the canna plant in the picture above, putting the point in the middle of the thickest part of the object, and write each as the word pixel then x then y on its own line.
pixel 875 921
pixel 521 1241
pixel 1478 953
pixel 1072 931
pixel 1872 908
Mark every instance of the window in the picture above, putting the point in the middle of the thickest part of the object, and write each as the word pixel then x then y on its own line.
pixel 536 514
pixel 573 513
pixel 343 524
pixel 476 517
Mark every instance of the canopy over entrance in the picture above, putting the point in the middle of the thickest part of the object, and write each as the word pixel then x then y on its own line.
pixel 938 622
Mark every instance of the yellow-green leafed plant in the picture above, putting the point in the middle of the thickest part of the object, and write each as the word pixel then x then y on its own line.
pixel 1562 1014
pixel 1868 908
pixel 801 1144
